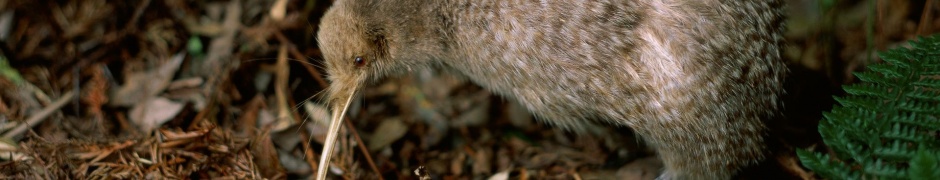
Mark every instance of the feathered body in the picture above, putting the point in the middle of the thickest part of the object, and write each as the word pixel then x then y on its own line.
pixel 697 78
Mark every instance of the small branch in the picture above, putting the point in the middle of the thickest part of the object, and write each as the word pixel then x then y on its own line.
pixel 308 153
pixel 299 57
pixel 362 147
pixel 312 70
pixel 137 12
pixel 40 116
pixel 281 91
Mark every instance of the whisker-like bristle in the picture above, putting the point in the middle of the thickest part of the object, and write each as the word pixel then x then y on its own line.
pixel 320 99
pixel 306 116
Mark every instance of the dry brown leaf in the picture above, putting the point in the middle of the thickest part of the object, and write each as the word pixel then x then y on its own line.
pixel 145 85
pixel 8 151
pixel 154 112
pixel 265 155
pixel 248 122
pixel 482 163
pixel 389 131
pixel 190 82
pixel 503 175
pixel 646 168
pixel 278 10
pixel 475 116
pixel 220 48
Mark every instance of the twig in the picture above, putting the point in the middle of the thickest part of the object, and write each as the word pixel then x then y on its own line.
pixel 308 153
pixel 137 12
pixel 362 147
pixel 282 72
pixel 312 70
pixel 575 174
pixel 40 116
pixel 299 56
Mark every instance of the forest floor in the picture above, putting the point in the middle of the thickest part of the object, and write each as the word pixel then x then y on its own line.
pixel 228 89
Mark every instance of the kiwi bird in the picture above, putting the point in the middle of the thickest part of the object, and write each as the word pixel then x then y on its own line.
pixel 697 79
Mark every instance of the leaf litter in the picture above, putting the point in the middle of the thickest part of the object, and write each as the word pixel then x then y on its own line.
pixel 100 89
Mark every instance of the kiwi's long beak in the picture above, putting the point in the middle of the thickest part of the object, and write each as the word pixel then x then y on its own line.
pixel 339 110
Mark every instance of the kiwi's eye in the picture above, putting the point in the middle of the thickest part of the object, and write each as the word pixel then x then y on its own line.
pixel 359 61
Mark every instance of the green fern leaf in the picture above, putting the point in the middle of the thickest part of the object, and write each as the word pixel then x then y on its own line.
pixel 897 57
pixel 928 96
pixel 869 76
pixel 928 83
pixel 887 126
pixel 867 90
pixel 888 70
pixel 925 166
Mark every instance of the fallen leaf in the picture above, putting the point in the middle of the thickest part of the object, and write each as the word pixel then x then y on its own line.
pixel 294 164
pixel 265 155
pixel 286 139
pixel 646 168
pixel 319 121
pixel 481 161
pixel 265 117
pixel 153 113
pixel 389 131
pixel 219 52
pixel 8 150
pixel 144 85
pixel 191 82
pixel 504 175
pixel 278 10
pixel 475 116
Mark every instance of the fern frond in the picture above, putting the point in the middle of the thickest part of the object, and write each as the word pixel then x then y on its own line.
pixel 875 90
pixel 885 171
pixel 869 76
pixel 828 168
pixel 905 132
pixel 895 151
pixel 897 57
pixel 886 126
pixel 928 96
pixel 925 166
pixel 921 107
pixel 863 102
pixel 929 83
pixel 888 70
